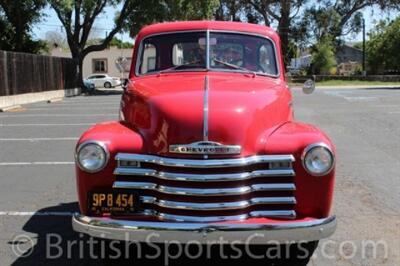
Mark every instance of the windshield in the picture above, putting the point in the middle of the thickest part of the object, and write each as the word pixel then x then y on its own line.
pixel 193 51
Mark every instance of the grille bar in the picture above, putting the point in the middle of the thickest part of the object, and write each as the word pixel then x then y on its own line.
pixel 209 163
pixel 216 189
pixel 202 178
pixel 288 214
pixel 205 191
pixel 216 205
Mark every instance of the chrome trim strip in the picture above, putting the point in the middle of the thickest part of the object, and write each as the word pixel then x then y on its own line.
pixel 212 163
pixel 208 49
pixel 202 178
pixel 201 219
pixel 204 191
pixel 273 200
pixel 284 214
pixel 205 147
pixel 287 214
pixel 181 205
pixel 205 110
pixel 281 232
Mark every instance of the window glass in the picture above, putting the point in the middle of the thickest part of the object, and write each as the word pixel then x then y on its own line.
pixel 186 53
pixel 242 52
pixel 99 65
pixel 227 52
pixel 149 58
pixel 180 51
pixel 267 59
pixel 232 53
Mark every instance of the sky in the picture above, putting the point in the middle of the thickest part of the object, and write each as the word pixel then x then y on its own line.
pixel 105 22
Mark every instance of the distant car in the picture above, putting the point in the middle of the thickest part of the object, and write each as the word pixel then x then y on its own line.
pixel 89 85
pixel 103 80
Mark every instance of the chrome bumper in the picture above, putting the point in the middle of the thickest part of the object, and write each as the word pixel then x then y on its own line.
pixel 161 232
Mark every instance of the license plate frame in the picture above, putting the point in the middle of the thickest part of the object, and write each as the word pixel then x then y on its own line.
pixel 101 204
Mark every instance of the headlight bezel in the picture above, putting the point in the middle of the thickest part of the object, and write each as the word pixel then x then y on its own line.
pixel 99 144
pixel 310 148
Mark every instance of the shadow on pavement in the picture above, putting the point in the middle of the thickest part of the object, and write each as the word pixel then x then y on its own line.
pixel 381 88
pixel 58 244
pixel 105 92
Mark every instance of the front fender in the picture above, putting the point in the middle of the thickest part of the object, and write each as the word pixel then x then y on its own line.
pixel 118 138
pixel 314 194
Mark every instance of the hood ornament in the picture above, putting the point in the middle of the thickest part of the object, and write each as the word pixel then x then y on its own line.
pixel 205 147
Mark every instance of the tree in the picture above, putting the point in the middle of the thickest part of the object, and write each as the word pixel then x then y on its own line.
pixel 169 10
pixel 237 10
pixel 120 44
pixel 333 19
pixel 16 20
pixel 55 39
pixel 78 18
pixel 284 12
pixel 383 47
pixel 323 57
pixel 189 9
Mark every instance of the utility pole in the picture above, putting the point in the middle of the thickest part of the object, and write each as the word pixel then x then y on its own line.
pixel 363 59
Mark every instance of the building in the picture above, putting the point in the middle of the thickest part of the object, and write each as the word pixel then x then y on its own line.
pixel 349 68
pixel 347 54
pixel 301 62
pixel 348 59
pixel 113 61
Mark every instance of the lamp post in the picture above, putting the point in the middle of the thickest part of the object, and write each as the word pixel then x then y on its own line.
pixel 363 56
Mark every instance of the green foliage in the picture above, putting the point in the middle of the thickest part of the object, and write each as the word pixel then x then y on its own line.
pixel 383 47
pixel 78 17
pixel 16 20
pixel 337 18
pixel 189 9
pixel 323 57
pixel 120 44
pixel 152 11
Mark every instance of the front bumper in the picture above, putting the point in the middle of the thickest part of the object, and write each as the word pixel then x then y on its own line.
pixel 205 233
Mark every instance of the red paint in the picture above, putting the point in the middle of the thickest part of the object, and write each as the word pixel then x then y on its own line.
pixel 254 112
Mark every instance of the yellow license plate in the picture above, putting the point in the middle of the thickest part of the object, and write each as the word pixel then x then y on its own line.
pixel 112 202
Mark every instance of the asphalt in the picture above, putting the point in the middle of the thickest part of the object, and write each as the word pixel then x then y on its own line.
pixel 37 177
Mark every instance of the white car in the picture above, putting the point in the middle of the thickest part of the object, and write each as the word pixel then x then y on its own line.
pixel 103 80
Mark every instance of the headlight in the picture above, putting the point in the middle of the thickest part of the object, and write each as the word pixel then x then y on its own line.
pixel 318 159
pixel 92 156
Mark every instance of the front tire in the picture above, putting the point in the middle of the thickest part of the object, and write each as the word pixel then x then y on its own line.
pixel 107 85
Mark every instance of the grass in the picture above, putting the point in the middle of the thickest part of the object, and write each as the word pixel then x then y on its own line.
pixel 351 83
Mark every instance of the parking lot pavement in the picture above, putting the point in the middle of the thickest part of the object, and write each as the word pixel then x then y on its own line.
pixel 37 176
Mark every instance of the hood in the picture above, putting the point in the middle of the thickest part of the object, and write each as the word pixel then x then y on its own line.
pixel 171 109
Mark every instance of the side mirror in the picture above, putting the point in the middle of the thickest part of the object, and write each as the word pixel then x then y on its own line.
pixel 125 84
pixel 309 86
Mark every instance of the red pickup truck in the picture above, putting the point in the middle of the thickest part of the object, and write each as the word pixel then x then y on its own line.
pixel 206 147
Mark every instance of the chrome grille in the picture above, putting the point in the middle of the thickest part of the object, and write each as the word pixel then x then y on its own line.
pixel 209 190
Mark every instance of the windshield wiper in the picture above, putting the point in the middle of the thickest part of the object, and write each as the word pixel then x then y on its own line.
pixel 234 66
pixel 179 66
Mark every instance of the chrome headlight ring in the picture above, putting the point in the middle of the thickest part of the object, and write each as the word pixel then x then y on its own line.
pixel 92 156
pixel 318 155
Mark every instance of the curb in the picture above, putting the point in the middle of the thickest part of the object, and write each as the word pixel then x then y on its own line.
pixel 10 108
pixel 355 87
pixel 45 96
pixel 55 100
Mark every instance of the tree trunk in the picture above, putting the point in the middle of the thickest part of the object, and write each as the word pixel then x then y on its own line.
pixel 283 29
pixel 80 71
pixel 78 62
